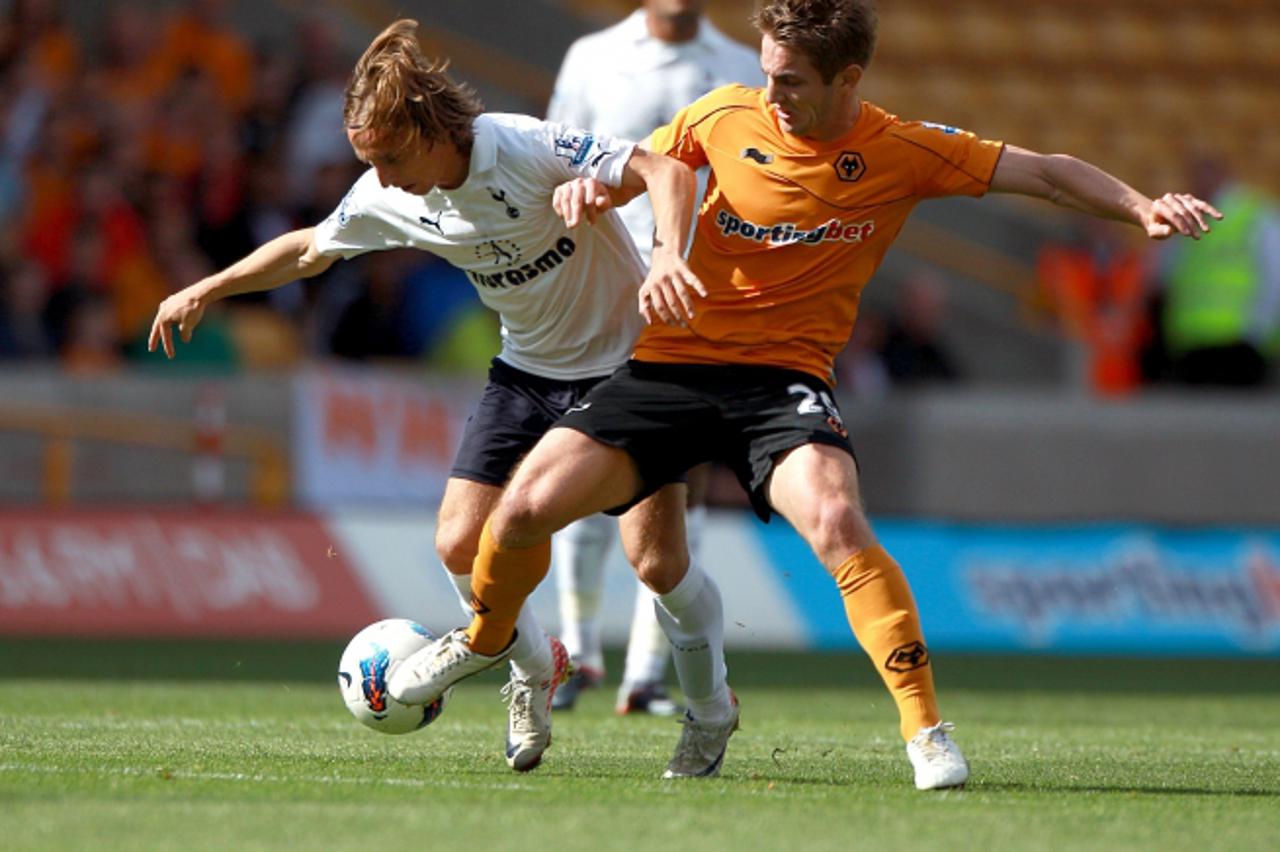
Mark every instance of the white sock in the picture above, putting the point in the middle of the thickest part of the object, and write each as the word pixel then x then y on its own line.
pixel 532 654
pixel 695 524
pixel 647 647
pixel 692 615
pixel 577 556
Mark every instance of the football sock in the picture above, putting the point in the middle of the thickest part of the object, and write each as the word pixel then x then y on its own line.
pixel 695 524
pixel 532 654
pixel 882 612
pixel 647 647
pixel 692 615
pixel 578 555
pixel 501 581
pixel 462 582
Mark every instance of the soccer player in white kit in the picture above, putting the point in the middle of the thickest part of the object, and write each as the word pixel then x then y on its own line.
pixel 495 195
pixel 627 80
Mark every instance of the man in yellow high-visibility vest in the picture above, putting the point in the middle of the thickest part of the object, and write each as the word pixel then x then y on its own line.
pixel 1221 318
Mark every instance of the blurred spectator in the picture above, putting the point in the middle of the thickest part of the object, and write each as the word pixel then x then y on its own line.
pixel 23 293
pixel 267 120
pixel 1097 287
pixel 316 138
pixel 1221 311
pixel 35 30
pixel 374 324
pixel 199 39
pixel 446 319
pixel 91 343
pixel 914 351
pixel 79 316
pixel 222 197
pixel 130 71
pixel 860 368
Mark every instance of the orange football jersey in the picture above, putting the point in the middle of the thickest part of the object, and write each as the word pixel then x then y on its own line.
pixel 792 229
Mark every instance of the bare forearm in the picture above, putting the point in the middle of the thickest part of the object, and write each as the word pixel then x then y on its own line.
pixel 672 189
pixel 1083 186
pixel 1074 183
pixel 286 258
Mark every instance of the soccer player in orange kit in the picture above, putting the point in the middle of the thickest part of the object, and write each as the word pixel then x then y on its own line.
pixel 810 185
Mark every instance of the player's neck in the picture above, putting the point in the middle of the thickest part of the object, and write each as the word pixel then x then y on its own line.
pixel 459 167
pixel 841 125
pixel 673 29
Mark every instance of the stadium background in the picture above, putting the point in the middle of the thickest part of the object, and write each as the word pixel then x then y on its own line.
pixel 277 480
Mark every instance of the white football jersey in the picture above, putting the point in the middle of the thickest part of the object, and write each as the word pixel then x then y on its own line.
pixel 566 297
pixel 624 82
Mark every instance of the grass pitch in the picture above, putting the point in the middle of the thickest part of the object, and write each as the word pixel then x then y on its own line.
pixel 194 746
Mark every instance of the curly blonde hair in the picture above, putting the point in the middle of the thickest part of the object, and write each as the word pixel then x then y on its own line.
pixel 396 94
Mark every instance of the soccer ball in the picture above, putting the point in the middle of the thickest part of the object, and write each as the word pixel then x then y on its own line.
pixel 362 676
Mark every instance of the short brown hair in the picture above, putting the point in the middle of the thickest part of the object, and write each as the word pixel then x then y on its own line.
pixel 395 92
pixel 832 34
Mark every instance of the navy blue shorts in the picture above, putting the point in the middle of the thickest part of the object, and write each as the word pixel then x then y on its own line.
pixel 671 417
pixel 515 410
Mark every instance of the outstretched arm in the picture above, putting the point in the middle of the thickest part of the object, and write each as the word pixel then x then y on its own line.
pixel 286 258
pixel 1074 183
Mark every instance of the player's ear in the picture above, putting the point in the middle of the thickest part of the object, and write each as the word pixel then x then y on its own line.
pixel 850 76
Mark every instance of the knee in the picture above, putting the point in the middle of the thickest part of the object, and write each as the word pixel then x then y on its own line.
pixel 456 546
pixel 836 529
pixel 523 518
pixel 661 568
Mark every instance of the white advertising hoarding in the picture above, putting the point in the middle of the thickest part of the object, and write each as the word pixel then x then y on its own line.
pixel 369 437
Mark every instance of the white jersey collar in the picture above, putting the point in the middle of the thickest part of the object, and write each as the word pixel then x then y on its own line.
pixel 484 149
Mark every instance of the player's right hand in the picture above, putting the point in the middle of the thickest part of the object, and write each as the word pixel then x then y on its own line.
pixel 1178 212
pixel 578 198
pixel 665 295
pixel 184 308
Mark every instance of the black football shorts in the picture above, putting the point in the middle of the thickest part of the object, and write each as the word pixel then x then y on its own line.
pixel 515 410
pixel 670 417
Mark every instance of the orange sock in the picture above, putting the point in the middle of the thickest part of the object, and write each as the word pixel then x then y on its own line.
pixel 500 581
pixel 882 612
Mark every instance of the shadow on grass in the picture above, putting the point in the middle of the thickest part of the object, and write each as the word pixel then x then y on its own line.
pixel 317 662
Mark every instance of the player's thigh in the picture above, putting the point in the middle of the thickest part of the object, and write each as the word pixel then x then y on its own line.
pixel 566 476
pixel 463 510
pixel 653 538
pixel 815 487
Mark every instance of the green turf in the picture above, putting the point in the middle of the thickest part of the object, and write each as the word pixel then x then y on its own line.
pixel 254 751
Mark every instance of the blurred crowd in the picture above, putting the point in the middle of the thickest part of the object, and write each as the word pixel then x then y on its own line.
pixel 168 148
pixel 1187 313
pixel 1179 313
pixel 169 145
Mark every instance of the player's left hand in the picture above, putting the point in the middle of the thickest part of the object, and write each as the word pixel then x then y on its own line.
pixel 1181 213
pixel 581 197
pixel 667 292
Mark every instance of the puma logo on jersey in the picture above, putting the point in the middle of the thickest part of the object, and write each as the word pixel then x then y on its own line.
pixel 787 232
pixel 757 155
pixel 433 223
